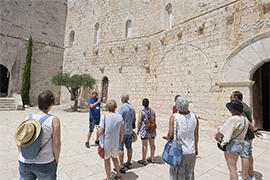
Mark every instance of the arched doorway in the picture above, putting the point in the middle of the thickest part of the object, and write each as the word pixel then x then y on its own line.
pixel 4 81
pixel 247 68
pixel 261 96
pixel 105 85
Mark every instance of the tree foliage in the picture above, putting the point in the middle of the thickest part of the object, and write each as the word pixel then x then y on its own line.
pixel 27 74
pixel 74 84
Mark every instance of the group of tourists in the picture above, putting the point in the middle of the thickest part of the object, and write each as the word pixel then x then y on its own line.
pixel 42 132
pixel 109 127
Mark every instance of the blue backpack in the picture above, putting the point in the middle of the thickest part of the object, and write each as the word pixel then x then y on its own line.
pixel 31 151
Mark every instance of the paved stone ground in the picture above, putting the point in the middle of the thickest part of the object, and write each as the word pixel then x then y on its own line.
pixel 78 162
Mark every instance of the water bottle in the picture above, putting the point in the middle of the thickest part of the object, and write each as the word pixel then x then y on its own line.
pixel 219 127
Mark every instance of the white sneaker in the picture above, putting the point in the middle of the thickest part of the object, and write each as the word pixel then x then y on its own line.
pixel 240 176
pixel 251 178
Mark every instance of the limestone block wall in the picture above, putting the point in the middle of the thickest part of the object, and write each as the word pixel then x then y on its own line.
pixel 45 22
pixel 157 61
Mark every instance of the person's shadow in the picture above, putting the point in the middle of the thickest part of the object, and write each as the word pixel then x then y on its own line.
pixel 257 175
pixel 157 159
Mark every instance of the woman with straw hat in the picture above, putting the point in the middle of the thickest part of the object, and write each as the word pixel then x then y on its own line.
pixel 44 165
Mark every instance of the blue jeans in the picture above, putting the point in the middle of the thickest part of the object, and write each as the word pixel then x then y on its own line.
pixel 127 140
pixel 40 171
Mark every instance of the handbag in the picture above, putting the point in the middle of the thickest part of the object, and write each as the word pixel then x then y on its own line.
pixel 223 148
pixel 172 152
pixel 101 151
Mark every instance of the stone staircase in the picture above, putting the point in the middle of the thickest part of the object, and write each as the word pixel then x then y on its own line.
pixel 7 104
pixel 11 103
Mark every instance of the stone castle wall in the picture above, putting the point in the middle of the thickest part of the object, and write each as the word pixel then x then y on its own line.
pixel 45 22
pixel 159 62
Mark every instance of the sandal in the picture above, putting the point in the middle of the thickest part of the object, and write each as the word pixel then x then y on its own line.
pixel 150 160
pixel 122 170
pixel 117 177
pixel 142 162
pixel 127 165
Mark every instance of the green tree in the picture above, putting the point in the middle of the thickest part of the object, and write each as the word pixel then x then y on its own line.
pixel 74 84
pixel 27 74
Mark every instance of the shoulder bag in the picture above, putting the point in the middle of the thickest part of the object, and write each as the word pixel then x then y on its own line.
pixel 172 152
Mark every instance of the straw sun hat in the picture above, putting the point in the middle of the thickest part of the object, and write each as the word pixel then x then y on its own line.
pixel 93 92
pixel 27 132
pixel 134 137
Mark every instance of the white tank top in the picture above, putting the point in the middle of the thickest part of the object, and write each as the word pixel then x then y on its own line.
pixel 187 124
pixel 46 154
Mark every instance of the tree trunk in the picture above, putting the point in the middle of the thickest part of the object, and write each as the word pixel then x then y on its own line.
pixel 76 104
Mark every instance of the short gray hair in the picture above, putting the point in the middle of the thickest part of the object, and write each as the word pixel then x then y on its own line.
pixel 125 97
pixel 181 104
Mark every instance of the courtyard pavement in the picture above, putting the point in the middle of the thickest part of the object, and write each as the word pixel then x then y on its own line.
pixel 79 163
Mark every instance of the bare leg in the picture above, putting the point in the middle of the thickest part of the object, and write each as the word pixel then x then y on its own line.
pixel 245 167
pixel 107 165
pixel 116 165
pixel 88 136
pixel 152 147
pixel 97 138
pixel 129 155
pixel 144 149
pixel 121 158
pixel 251 172
pixel 231 163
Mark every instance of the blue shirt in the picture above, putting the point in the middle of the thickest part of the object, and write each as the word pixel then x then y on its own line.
pixel 127 111
pixel 94 113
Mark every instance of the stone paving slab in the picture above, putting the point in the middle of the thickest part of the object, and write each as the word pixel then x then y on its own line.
pixel 79 163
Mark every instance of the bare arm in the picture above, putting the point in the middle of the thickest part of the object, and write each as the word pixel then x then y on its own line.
pixel 122 133
pixel 218 135
pixel 139 123
pixel 196 134
pixel 94 104
pixel 171 128
pixel 106 97
pixel 100 131
pixel 56 138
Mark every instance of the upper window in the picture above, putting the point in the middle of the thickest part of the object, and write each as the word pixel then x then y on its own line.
pixel 128 28
pixel 169 15
pixel 71 39
pixel 96 35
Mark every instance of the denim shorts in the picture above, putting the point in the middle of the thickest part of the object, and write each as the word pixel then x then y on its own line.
pixel 37 171
pixel 92 123
pixel 235 148
pixel 127 140
pixel 247 149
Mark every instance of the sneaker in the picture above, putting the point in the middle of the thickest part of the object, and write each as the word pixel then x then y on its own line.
pixel 251 178
pixel 240 176
pixel 97 142
pixel 87 144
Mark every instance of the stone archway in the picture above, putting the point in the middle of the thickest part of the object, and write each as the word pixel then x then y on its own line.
pixel 4 81
pixel 242 70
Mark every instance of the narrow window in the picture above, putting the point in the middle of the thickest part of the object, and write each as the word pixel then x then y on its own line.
pixel 96 35
pixel 128 28
pixel 169 15
pixel 71 39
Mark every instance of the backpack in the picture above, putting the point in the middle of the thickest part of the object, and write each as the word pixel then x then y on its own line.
pixel 31 151
pixel 150 125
